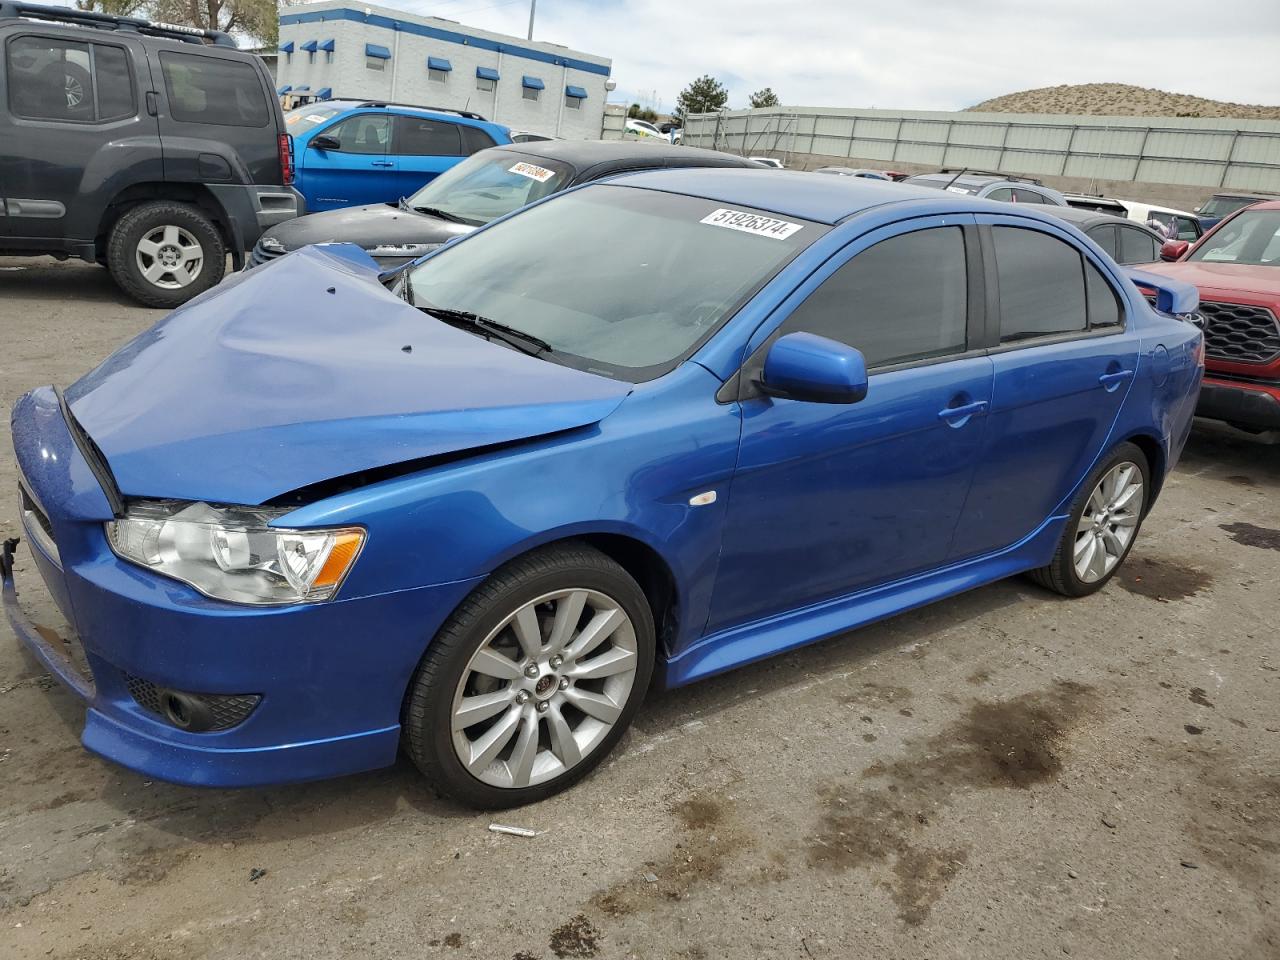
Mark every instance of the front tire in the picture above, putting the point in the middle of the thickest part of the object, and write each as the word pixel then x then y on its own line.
pixel 163 254
pixel 533 679
pixel 1103 525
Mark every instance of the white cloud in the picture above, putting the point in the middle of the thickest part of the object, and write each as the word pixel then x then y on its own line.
pixel 928 54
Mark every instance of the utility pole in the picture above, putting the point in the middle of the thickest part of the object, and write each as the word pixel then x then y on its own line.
pixel 533 6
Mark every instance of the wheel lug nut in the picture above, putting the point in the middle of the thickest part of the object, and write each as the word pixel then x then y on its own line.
pixel 555 662
pixel 522 696
pixel 564 683
pixel 531 670
pixel 543 706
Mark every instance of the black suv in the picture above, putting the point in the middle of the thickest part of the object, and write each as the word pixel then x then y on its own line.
pixel 149 148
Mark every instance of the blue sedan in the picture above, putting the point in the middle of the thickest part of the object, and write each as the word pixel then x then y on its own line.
pixel 661 426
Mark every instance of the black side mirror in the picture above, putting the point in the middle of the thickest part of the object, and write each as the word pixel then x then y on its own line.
pixel 326 142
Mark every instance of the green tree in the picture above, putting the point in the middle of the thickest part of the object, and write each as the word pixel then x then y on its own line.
pixel 259 19
pixel 765 98
pixel 117 8
pixel 637 112
pixel 704 95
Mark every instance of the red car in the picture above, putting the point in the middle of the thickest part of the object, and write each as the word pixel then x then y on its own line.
pixel 1236 265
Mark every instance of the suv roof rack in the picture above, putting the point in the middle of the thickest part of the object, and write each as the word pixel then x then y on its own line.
pixel 992 173
pixel 106 21
pixel 470 115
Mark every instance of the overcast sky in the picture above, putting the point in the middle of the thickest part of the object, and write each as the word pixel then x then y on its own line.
pixel 923 55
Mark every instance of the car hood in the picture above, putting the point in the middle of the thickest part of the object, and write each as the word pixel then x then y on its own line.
pixel 1225 277
pixel 278 379
pixel 367 227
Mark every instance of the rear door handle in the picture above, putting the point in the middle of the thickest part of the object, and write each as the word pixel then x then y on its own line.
pixel 383 163
pixel 962 412
pixel 1113 380
pixel 152 108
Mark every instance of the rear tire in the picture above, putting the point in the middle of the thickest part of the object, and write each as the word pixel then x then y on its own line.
pixel 552 656
pixel 164 253
pixel 1104 523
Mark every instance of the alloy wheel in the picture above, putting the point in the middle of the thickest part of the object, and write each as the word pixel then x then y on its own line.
pixel 1109 522
pixel 169 257
pixel 544 689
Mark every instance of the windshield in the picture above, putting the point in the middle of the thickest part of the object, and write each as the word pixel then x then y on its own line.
pixel 1251 238
pixel 1221 206
pixel 490 184
pixel 299 121
pixel 619 281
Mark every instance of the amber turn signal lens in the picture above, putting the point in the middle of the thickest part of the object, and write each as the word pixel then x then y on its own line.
pixel 343 554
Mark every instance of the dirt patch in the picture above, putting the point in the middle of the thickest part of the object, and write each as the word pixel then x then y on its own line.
pixel 453 941
pixel 699 856
pixel 61 800
pixel 150 867
pixel 978 677
pixel 1199 696
pixel 1161 580
pixel 1265 538
pixel 876 695
pixel 996 744
pixel 1233 812
pixel 576 937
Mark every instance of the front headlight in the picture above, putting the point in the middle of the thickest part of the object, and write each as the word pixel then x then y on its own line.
pixel 230 553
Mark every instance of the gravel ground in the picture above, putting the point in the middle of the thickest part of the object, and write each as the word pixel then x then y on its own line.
pixel 1004 774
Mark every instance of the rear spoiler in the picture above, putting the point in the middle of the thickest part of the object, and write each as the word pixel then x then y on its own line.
pixel 1172 296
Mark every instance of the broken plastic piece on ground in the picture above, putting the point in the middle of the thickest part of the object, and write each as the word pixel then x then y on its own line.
pixel 513 831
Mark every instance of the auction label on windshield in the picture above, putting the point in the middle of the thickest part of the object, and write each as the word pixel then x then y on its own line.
pixel 752 223
pixel 532 171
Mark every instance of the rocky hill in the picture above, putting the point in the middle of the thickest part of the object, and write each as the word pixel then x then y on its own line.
pixel 1120 99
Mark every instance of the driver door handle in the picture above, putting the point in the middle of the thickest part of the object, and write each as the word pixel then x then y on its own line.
pixel 383 163
pixel 1118 376
pixel 965 410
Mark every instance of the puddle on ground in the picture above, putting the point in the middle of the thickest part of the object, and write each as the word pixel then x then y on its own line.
pixel 1008 744
pixel 1161 580
pixel 1264 538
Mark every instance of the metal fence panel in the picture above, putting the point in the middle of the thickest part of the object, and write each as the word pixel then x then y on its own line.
pixel 1240 154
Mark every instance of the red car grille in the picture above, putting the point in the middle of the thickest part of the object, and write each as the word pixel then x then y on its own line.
pixel 1238 333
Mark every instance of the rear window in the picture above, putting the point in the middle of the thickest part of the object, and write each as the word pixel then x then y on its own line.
pixel 211 90
pixel 1042 289
pixel 1221 206
pixel 420 137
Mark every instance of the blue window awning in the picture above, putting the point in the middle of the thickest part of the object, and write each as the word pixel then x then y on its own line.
pixel 486 73
pixel 281 91
pixel 439 63
pixel 532 83
pixel 324 93
pixel 302 88
pixel 286 47
pixel 576 92
pixel 310 46
pixel 377 51
pixel 327 45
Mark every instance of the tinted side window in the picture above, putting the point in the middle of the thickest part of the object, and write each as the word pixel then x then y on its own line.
pixel 366 133
pixel 1187 229
pixel 417 137
pixel 474 140
pixel 57 80
pixel 1136 246
pixel 1022 195
pixel 114 82
pixel 1004 194
pixel 1041 284
pixel 1105 237
pixel 1104 305
pixel 906 298
pixel 214 91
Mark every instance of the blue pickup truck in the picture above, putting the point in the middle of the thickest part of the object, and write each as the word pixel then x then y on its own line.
pixel 349 152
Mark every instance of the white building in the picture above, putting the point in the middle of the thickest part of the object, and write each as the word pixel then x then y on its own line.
pixel 329 50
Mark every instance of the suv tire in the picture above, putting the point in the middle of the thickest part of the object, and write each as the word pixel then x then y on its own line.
pixel 562 626
pixel 1104 523
pixel 164 253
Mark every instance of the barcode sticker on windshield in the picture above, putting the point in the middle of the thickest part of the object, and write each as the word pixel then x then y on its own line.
pixel 960 190
pixel 752 223
pixel 532 171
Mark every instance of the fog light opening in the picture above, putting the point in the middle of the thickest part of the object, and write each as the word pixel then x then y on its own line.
pixel 176 712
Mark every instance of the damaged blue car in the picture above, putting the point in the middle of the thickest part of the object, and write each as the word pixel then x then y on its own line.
pixel 640 433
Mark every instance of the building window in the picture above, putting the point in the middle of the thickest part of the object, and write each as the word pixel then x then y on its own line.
pixel 572 103
pixel 437 76
pixel 488 86
pixel 375 63
pixel 328 56
pixel 311 56
pixel 532 88
pixel 531 94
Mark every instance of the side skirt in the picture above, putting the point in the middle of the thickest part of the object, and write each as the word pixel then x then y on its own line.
pixel 740 645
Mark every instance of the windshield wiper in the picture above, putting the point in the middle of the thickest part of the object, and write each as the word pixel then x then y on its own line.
pixel 442 214
pixel 525 342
